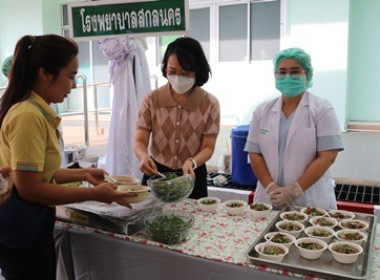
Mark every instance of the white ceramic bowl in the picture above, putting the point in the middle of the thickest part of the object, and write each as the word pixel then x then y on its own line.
pixel 235 206
pixel 322 233
pixel 262 247
pixel 294 216
pixel 291 227
pixel 345 257
pixel 259 210
pixel 308 253
pixel 141 192
pixel 280 238
pixel 314 211
pixel 324 221
pixel 125 180
pixel 351 235
pixel 209 204
pixel 340 215
pixel 354 224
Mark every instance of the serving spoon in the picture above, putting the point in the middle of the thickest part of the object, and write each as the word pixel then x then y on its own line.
pixel 110 179
pixel 162 175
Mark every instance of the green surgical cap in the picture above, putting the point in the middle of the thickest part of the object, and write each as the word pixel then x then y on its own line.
pixel 6 67
pixel 301 56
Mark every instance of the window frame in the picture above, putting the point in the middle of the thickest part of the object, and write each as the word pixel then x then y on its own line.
pixel 214 25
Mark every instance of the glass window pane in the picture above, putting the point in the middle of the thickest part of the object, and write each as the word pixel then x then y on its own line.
pixel 65 15
pixel 101 74
pixel 164 42
pixel 265 30
pixel 200 28
pixel 233 33
pixel 84 60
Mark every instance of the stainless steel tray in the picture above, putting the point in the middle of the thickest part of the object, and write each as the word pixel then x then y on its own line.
pixel 325 267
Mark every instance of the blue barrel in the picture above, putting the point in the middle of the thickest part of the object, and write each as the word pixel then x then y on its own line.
pixel 242 174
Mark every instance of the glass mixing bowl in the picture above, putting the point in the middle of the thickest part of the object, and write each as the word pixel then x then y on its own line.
pixel 169 226
pixel 174 188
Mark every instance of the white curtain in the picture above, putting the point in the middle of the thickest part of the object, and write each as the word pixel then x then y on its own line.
pixel 130 81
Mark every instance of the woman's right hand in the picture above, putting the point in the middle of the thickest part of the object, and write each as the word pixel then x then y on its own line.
pixel 147 166
pixel 107 192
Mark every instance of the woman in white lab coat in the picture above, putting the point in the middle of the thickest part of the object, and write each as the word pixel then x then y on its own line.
pixel 294 139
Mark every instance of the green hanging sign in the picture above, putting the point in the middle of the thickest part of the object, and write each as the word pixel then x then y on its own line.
pixel 95 19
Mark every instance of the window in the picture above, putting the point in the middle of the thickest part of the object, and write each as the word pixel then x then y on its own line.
pixel 233 33
pixel 200 28
pixel 247 31
pixel 265 30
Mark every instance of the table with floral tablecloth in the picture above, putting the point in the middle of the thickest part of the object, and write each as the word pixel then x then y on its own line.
pixel 222 237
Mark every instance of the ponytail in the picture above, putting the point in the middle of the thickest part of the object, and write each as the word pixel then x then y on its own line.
pixel 49 52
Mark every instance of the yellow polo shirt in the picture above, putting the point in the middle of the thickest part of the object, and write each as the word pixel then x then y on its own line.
pixel 29 139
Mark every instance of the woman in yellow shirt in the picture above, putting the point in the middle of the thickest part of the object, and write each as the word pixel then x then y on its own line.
pixel 43 72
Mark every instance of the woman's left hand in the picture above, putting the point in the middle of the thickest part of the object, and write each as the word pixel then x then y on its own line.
pixel 284 196
pixel 187 167
pixel 95 176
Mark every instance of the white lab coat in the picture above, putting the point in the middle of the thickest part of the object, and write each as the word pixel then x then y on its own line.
pixel 313 117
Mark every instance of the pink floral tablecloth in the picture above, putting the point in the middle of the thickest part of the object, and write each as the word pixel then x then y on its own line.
pixel 221 237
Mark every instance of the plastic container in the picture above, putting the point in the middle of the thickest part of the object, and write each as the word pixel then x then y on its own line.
pixel 242 173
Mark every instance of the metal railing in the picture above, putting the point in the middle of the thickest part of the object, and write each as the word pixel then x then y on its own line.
pixel 95 86
pixel 84 86
pixel 85 108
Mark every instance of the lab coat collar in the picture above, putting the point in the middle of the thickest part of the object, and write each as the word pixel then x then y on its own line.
pixel 165 99
pixel 300 114
pixel 303 102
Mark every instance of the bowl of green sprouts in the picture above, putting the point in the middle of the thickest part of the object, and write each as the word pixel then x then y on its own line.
pixel 175 187
pixel 169 226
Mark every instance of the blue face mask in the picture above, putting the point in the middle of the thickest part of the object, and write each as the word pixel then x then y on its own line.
pixel 291 87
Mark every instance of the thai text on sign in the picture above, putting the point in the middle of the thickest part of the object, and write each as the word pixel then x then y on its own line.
pixel 91 20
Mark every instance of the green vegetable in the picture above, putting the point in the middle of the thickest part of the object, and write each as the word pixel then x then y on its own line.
pixel 258 207
pixel 172 190
pixel 311 246
pixel 312 211
pixel 235 205
pixel 171 175
pixel 320 233
pixel 289 227
pixel 294 217
pixel 324 222
pixel 345 249
pixel 280 238
pixel 208 201
pixel 169 229
pixel 350 236
pixel 273 251
pixel 353 224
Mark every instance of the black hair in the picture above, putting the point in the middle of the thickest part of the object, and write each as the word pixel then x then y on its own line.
pixel 190 56
pixel 49 52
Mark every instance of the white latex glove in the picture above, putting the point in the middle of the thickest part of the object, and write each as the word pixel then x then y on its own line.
pixel 271 187
pixel 285 196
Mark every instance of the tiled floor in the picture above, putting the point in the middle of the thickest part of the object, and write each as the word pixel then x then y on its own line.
pixel 359 161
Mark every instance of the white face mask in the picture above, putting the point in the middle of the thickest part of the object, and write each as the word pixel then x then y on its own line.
pixel 181 84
